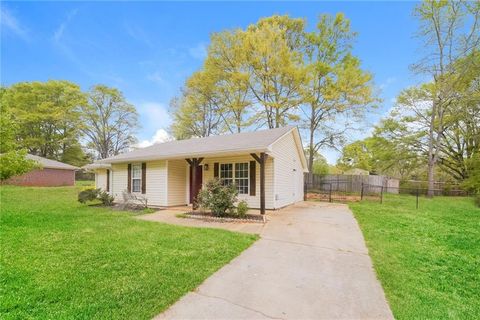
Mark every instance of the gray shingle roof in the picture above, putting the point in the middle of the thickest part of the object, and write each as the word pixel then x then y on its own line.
pixel 257 141
pixel 51 164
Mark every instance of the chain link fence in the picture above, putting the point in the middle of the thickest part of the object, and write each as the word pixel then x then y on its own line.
pixel 341 191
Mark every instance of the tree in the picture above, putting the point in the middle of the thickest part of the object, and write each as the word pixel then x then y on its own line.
pixel 274 63
pixel 12 161
pixel 197 112
pixel 335 87
pixel 109 121
pixel 47 115
pixel 450 31
pixel 320 165
pixel 473 181
pixel 226 61
pixel 358 154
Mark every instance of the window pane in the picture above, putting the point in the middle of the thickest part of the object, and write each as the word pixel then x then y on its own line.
pixel 241 177
pixel 136 171
pixel 136 185
pixel 226 171
pixel 242 186
pixel 241 170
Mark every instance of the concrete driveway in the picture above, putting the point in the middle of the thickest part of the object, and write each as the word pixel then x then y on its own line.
pixel 310 263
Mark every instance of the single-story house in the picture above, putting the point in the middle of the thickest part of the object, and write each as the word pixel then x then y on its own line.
pixel 266 166
pixel 50 174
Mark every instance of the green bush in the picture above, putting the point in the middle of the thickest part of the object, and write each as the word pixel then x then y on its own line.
pixel 15 163
pixel 242 209
pixel 217 198
pixel 88 195
pixel 477 200
pixel 105 198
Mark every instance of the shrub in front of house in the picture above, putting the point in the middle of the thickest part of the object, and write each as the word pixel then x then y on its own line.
pixel 217 198
pixel 241 209
pixel 105 198
pixel 88 195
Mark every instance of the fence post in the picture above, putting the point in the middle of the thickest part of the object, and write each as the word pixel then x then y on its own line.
pixel 330 196
pixel 381 195
pixel 418 191
pixel 305 191
pixel 361 193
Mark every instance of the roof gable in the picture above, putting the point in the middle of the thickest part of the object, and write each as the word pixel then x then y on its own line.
pixel 51 164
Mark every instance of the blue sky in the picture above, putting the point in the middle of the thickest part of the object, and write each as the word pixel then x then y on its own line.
pixel 148 49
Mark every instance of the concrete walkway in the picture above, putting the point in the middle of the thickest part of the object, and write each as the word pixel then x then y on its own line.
pixel 310 263
pixel 170 216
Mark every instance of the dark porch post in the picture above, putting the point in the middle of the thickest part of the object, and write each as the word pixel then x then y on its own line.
pixel 194 163
pixel 261 160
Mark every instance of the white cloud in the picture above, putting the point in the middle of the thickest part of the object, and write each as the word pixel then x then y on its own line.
pixel 157 78
pixel 58 33
pixel 160 136
pixel 388 82
pixel 138 34
pixel 199 51
pixel 10 23
pixel 155 112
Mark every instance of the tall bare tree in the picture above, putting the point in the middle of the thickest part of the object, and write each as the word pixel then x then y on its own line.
pixel 110 122
pixel 450 30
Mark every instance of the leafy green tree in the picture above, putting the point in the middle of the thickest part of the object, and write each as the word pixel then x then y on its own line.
pixel 109 122
pixel 47 115
pixel 14 163
pixel 274 62
pixel 320 166
pixel 450 31
pixel 226 63
pixel 335 88
pixel 197 112
pixel 473 181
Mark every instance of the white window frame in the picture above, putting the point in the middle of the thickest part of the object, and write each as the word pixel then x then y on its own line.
pixel 234 175
pixel 139 165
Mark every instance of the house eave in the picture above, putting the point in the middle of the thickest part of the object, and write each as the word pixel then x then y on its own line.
pixel 187 155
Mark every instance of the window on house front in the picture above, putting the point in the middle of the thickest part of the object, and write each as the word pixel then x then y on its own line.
pixel 241 177
pixel 226 173
pixel 238 174
pixel 136 178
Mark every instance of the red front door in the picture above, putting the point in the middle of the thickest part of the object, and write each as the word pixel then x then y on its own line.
pixel 198 183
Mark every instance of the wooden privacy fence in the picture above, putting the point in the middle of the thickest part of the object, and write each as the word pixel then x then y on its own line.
pixel 348 183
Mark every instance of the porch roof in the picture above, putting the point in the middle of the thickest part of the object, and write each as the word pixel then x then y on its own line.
pixel 246 142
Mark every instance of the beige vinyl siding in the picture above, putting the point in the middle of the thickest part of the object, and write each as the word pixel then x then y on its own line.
pixel 101 179
pixel 253 201
pixel 177 182
pixel 119 181
pixel 288 171
pixel 156 183
pixel 156 177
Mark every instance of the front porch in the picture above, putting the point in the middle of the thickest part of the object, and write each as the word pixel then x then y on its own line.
pixel 251 173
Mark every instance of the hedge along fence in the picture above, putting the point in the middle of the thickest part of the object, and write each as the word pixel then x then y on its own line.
pixel 349 183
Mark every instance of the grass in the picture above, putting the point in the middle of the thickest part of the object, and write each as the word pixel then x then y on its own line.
pixel 85 183
pixel 61 259
pixel 428 260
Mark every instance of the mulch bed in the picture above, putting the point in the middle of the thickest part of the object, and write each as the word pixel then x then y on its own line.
pixel 207 216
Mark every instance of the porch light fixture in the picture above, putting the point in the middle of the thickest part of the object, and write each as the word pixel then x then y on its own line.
pixel 205 166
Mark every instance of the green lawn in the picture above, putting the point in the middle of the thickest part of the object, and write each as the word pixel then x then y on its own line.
pixel 61 259
pixel 428 260
pixel 85 183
